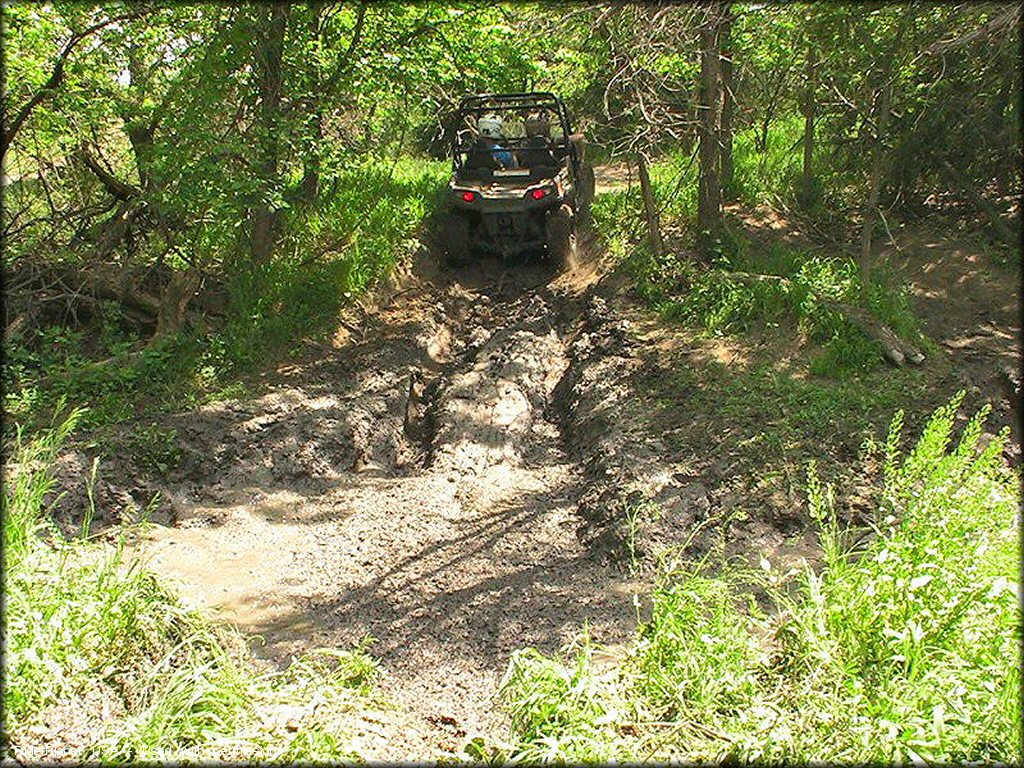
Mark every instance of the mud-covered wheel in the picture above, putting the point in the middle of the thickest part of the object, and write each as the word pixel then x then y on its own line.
pixel 587 185
pixel 561 237
pixel 456 240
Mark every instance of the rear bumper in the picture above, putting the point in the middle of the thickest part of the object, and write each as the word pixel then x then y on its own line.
pixel 511 231
pixel 506 205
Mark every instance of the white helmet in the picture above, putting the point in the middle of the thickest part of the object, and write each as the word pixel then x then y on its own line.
pixel 490 126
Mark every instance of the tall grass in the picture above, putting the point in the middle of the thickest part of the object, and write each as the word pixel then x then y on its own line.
pixel 85 623
pixel 363 224
pixel 770 175
pixel 901 648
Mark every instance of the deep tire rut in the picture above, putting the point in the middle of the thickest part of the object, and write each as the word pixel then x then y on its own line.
pixel 415 485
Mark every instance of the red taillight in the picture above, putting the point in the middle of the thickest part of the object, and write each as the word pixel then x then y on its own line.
pixel 469 197
pixel 537 194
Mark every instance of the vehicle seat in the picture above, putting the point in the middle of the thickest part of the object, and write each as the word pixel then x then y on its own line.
pixel 484 175
pixel 541 172
pixel 536 152
pixel 481 157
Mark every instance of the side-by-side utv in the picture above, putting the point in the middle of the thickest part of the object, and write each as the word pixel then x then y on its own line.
pixel 518 181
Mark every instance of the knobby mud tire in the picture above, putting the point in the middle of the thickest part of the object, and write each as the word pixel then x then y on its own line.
pixel 457 240
pixel 561 238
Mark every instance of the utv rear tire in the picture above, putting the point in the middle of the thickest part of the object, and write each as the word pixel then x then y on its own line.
pixel 456 240
pixel 561 237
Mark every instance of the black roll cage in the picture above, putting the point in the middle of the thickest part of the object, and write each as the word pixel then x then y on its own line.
pixel 479 104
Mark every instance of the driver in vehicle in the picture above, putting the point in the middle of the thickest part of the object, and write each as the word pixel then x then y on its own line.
pixel 488 151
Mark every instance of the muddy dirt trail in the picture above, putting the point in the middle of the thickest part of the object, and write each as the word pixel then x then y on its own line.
pixel 455 476
pixel 419 482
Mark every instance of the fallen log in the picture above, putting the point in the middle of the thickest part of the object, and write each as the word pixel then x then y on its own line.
pixel 895 348
pixel 75 283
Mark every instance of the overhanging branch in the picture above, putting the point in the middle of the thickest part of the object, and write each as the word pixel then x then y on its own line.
pixel 48 88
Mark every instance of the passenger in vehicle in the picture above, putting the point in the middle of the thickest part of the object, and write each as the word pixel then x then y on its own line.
pixel 538 143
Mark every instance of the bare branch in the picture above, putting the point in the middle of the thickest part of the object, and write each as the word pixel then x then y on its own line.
pixel 1009 19
pixel 116 187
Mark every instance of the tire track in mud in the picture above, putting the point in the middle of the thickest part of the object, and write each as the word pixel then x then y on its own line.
pixel 416 485
pixel 453 477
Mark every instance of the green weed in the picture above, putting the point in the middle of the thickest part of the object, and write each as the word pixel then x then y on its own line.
pixel 901 648
pixel 769 175
pixel 86 623
pixel 795 417
pixel 560 712
pixel 360 228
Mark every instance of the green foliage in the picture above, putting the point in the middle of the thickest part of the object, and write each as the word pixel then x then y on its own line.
pixel 44 373
pixel 787 418
pixel 771 174
pixel 559 713
pixel 903 648
pixel 155 448
pixel 617 217
pixel 751 285
pixel 352 238
pixel 27 482
pixel 684 639
pixel 86 623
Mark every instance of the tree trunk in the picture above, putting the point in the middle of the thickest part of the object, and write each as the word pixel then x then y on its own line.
pixel 774 90
pixel 999 226
pixel 116 228
pixel 725 135
pixel 140 136
pixel 270 54
pixel 309 187
pixel 650 209
pixel 139 126
pixel 176 296
pixel 709 195
pixel 874 187
pixel 998 127
pixel 808 109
